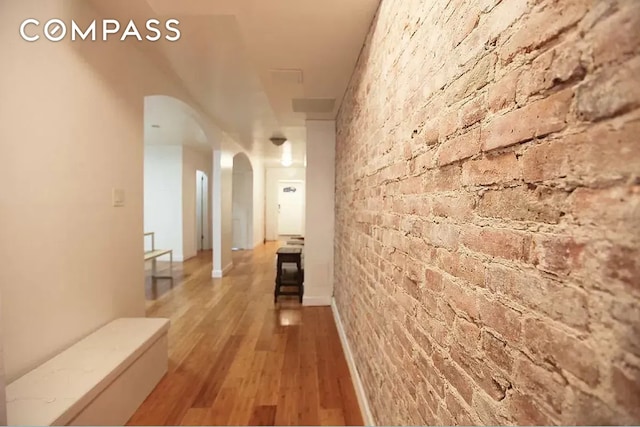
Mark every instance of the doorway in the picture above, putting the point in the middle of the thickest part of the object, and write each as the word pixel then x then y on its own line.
pixel 291 200
pixel 202 211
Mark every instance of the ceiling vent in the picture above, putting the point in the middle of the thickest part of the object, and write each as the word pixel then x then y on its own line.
pixel 286 76
pixel 313 105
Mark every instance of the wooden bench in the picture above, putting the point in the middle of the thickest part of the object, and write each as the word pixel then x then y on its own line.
pixel 101 380
pixel 154 254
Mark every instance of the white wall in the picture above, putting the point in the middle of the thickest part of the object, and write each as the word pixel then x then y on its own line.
pixel 72 262
pixel 273 176
pixel 259 202
pixel 163 196
pixel 193 160
pixel 242 202
pixel 321 142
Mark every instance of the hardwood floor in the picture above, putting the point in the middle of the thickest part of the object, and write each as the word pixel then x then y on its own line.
pixel 236 358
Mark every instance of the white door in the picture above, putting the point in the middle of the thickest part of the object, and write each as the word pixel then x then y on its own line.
pixel 290 208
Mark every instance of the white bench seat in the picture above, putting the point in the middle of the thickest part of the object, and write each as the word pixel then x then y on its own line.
pixel 101 380
pixel 156 253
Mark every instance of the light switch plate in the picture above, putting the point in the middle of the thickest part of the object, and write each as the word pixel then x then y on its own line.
pixel 117 196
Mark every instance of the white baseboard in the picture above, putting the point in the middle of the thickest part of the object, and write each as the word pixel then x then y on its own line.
pixel 218 274
pixel 316 301
pixel 355 376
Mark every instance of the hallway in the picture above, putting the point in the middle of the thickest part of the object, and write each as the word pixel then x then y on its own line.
pixel 237 359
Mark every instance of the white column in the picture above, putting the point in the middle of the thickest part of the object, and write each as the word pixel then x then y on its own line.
pixel 216 213
pixel 221 212
pixel 319 230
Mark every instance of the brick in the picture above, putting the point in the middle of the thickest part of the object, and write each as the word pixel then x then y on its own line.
pixel 603 152
pixel 433 280
pixel 557 254
pixel 626 388
pixel 420 337
pixel 569 353
pixel 459 206
pixel 455 377
pixel 557 301
pixel 558 66
pixel 459 148
pixel 488 379
pixel 502 319
pixel 428 416
pixel 467 333
pixel 464 302
pixel 471 270
pixel 440 234
pixel 623 263
pixel 496 350
pixel 502 94
pixel 448 123
pixel 525 231
pixel 458 411
pixel 614 208
pixel 472 112
pixel 611 92
pixel 534 120
pixel 590 410
pixel 471 81
pixel 489 412
pixel 497 243
pixel 617 36
pixel 491 170
pixel 542 25
pixel 489 28
pixel 430 374
pixel 526 412
pixel 422 162
pixel 442 179
pixel 524 203
pixel 548 388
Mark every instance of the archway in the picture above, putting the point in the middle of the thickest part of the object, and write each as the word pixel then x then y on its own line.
pixel 242 203
pixel 178 159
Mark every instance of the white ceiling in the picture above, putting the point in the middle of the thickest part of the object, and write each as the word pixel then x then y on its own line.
pixel 241 59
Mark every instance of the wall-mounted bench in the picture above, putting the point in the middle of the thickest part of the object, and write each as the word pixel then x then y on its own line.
pixel 101 380
pixel 154 254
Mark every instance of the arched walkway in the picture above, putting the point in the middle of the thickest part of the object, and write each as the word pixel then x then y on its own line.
pixel 242 202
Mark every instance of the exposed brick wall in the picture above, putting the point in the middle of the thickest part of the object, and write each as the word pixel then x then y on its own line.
pixel 488 212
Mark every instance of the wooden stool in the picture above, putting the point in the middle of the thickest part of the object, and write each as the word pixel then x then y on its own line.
pixel 289 255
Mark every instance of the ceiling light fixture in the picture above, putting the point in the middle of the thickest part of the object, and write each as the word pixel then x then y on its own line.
pixel 278 140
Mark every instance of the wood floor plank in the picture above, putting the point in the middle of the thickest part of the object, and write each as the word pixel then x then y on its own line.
pixel 195 417
pixel 236 358
pixel 263 416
